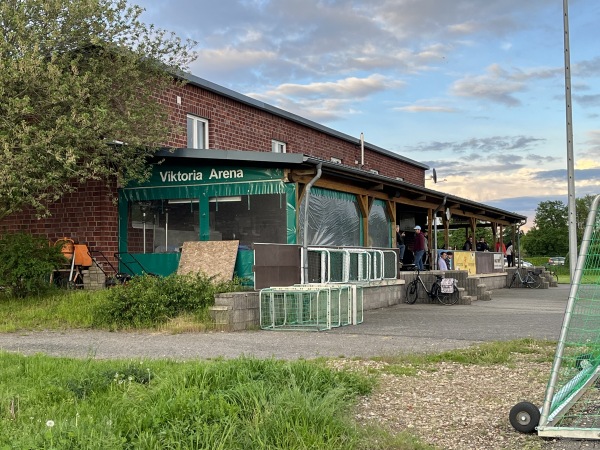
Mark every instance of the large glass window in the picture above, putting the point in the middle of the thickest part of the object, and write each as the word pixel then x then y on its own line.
pixel 379 225
pixel 197 132
pixel 162 226
pixel 248 218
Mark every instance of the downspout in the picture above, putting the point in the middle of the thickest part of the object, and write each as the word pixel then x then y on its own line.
pixel 435 255
pixel 305 231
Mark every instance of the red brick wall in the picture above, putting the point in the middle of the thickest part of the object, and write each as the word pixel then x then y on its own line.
pixel 89 216
pixel 236 126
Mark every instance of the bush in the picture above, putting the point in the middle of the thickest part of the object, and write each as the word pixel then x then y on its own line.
pixel 26 264
pixel 148 300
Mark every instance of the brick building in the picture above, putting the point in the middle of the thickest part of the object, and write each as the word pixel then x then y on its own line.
pixel 241 172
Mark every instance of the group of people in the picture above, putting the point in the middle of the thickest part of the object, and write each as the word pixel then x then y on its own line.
pixel 421 247
pixel 480 246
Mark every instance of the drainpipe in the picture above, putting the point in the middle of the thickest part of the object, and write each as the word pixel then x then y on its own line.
pixel 435 256
pixel 305 231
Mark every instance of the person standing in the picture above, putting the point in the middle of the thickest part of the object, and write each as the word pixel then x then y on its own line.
pixel 468 244
pixel 426 254
pixel 419 248
pixel 442 262
pixel 400 243
pixel 482 246
pixel 500 248
pixel 509 255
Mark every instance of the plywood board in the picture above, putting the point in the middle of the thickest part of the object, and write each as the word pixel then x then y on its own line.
pixel 212 258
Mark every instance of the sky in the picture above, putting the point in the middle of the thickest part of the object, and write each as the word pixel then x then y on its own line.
pixel 472 88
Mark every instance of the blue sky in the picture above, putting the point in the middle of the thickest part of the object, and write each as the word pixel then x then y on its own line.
pixel 473 88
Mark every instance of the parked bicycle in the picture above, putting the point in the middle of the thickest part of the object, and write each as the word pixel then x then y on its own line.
pixel 435 293
pixel 531 280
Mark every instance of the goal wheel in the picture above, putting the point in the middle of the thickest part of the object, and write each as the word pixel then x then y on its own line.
pixel 524 417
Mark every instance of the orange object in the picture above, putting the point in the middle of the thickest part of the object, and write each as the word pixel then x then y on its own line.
pixel 67 247
pixel 82 255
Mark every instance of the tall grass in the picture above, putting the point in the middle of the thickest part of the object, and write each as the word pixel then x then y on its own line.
pixel 237 404
pixel 58 310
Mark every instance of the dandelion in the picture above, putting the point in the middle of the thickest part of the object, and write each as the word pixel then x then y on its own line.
pixel 50 423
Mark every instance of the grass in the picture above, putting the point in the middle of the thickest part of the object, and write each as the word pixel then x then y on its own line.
pixel 484 354
pixel 236 404
pixel 245 403
pixel 58 310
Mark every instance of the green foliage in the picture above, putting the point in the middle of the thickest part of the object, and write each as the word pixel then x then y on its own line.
pixel 26 263
pixel 76 77
pixel 550 233
pixel 234 404
pixel 146 301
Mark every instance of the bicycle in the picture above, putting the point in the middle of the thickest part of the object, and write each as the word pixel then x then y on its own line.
pixel 532 280
pixel 412 291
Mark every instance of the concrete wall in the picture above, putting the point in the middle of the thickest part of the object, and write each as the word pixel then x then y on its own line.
pixel 238 311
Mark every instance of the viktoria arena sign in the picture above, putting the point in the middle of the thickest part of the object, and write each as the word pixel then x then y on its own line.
pixel 177 174
pixel 170 176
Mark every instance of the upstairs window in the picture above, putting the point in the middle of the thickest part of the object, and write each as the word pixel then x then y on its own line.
pixel 278 146
pixel 197 132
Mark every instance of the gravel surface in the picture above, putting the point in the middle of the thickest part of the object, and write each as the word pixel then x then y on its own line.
pixel 449 405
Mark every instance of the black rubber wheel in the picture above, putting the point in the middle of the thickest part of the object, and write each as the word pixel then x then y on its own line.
pixel 412 292
pixel 524 417
pixel 532 281
pixel 447 299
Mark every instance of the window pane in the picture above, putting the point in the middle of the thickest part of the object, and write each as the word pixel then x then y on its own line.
pixel 200 134
pixel 249 219
pixel 162 226
pixel 190 132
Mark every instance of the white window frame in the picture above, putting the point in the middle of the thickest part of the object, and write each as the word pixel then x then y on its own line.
pixel 278 146
pixel 195 141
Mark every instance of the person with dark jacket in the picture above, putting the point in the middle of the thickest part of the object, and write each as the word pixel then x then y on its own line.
pixel 419 247
pixel 469 244
pixel 400 243
pixel 482 246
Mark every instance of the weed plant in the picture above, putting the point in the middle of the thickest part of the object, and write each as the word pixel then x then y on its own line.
pixel 147 301
pixel 235 404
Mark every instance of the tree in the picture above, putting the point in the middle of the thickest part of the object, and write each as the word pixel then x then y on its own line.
pixel 550 233
pixel 80 82
pixel 582 209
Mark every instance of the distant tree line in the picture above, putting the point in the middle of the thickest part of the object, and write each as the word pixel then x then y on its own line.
pixel 549 235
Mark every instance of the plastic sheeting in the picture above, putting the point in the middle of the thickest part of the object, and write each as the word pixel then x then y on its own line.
pixel 379 226
pixel 333 219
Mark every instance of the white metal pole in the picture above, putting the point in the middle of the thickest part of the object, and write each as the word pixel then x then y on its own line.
pixel 570 159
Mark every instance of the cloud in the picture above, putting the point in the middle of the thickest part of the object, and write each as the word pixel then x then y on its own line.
pixel 326 101
pixel 425 108
pixel 486 145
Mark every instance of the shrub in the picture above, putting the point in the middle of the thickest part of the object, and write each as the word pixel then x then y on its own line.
pixel 148 300
pixel 26 263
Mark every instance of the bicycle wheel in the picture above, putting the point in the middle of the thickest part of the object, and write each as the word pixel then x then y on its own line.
pixel 444 298
pixel 412 292
pixel 532 281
